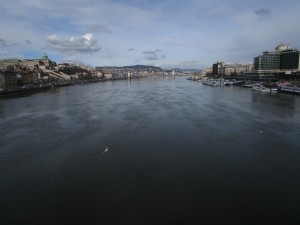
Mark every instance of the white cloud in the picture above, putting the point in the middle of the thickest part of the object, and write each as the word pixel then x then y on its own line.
pixel 75 44
pixel 208 30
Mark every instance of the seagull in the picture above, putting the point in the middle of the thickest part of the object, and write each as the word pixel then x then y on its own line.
pixel 260 132
pixel 106 150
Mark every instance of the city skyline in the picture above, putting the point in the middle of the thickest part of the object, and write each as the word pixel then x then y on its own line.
pixel 184 34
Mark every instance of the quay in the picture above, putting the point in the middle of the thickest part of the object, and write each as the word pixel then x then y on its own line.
pixel 255 85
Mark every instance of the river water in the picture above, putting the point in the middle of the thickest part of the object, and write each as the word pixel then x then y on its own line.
pixel 178 152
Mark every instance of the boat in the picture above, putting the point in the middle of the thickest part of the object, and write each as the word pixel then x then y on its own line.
pixel 292 89
pixel 261 88
pixel 273 88
pixel 250 84
pixel 213 82
pixel 238 82
pixel 228 83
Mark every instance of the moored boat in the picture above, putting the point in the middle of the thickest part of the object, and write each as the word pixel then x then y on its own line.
pixel 260 88
pixel 292 89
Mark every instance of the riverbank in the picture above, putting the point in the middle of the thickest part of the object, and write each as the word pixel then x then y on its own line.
pixel 25 90
pixel 285 86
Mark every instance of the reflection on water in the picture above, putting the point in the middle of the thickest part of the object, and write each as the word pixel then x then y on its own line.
pixel 279 104
pixel 178 152
pixel 1 111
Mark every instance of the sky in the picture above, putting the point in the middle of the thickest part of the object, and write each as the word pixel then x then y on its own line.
pixel 166 33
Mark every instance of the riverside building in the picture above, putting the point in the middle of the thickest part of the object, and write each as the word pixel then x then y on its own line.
pixel 284 62
pixel 267 61
pixel 290 60
pixel 216 68
pixel 230 70
pixel 282 59
pixel 28 64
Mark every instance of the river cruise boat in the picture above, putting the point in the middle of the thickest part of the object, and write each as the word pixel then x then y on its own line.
pixel 292 89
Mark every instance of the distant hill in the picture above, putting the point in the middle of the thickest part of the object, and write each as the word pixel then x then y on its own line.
pixel 136 67
pixel 142 67
pixel 186 70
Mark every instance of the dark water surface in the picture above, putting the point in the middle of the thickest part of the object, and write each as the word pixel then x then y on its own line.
pixel 179 153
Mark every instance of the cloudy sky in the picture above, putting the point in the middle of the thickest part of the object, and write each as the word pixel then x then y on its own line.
pixel 166 33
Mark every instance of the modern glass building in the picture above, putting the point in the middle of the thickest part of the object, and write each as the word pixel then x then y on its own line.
pixel 267 61
pixel 290 60
pixel 283 58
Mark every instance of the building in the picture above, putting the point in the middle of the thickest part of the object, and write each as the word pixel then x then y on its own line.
pixel 43 63
pixel 267 61
pixel 216 68
pixel 10 80
pixel 28 64
pixel 108 76
pixel 284 58
pixel 207 71
pixel 4 63
pixel 2 81
pixel 290 60
pixel 29 78
pixel 234 69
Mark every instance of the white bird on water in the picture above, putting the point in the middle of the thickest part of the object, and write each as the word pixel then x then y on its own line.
pixel 106 150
